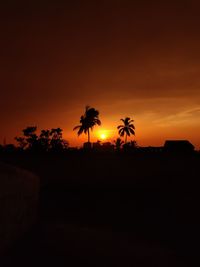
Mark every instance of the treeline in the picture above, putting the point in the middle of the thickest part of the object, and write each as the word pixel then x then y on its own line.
pixel 51 140
pixel 47 140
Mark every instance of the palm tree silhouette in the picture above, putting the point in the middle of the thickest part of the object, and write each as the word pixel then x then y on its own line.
pixel 88 121
pixel 127 128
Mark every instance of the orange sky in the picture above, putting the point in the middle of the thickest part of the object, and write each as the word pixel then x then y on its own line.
pixel 126 58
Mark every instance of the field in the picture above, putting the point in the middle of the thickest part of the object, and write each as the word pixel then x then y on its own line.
pixel 106 209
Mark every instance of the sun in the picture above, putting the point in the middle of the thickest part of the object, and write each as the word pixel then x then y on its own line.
pixel 102 134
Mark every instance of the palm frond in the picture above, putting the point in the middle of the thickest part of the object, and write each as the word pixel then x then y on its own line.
pixel 77 127
pixel 126 121
pixel 131 130
pixel 127 131
pixel 121 132
pixel 132 126
pixel 85 130
pixel 98 122
pixel 80 131
pixel 120 126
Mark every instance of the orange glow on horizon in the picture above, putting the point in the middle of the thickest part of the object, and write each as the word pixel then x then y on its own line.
pixel 102 134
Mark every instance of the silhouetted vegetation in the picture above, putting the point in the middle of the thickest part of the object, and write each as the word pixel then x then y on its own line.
pixel 127 128
pixel 147 194
pixel 118 144
pixel 88 121
pixel 130 146
pixel 46 141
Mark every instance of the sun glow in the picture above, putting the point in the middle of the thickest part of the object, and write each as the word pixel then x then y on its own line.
pixel 103 135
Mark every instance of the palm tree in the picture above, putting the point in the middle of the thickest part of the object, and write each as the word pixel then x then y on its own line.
pixel 88 121
pixel 127 128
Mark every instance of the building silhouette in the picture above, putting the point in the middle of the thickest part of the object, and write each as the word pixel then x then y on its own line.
pixel 178 147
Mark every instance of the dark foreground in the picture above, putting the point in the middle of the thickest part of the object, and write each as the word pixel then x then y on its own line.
pixel 111 210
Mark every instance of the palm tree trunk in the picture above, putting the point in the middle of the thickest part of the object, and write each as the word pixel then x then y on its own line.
pixel 126 138
pixel 88 135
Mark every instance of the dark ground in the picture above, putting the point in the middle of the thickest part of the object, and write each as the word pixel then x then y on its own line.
pixel 112 210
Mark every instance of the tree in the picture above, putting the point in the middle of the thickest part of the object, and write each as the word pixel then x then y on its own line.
pixel 88 121
pixel 31 137
pixel 65 144
pixel 118 143
pixel 127 128
pixel 44 140
pixel 56 139
pixel 48 140
pixel 22 142
pixel 130 146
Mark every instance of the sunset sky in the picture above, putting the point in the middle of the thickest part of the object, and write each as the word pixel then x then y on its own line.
pixel 125 58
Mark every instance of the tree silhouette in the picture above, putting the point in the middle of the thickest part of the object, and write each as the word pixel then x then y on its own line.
pixel 130 146
pixel 44 140
pixel 56 139
pixel 31 136
pixel 118 143
pixel 127 128
pixel 22 142
pixel 48 140
pixel 88 121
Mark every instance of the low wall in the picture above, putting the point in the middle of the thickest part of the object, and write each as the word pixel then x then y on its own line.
pixel 19 193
